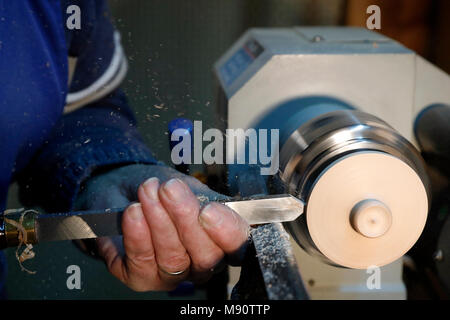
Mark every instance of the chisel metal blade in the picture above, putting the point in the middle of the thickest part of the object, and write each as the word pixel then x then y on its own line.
pixel 268 209
pixel 94 224
pixel 78 225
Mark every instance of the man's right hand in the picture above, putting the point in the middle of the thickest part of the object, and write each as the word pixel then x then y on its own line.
pixel 167 236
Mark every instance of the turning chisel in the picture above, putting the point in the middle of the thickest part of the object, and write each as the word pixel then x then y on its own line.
pixel 94 224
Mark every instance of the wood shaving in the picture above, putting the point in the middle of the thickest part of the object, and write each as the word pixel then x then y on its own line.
pixel 202 198
pixel 27 252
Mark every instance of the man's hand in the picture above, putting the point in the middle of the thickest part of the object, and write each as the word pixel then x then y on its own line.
pixel 168 237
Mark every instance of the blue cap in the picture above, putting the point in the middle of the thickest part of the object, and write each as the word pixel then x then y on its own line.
pixel 180 123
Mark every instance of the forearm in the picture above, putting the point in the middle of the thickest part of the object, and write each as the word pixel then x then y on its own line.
pixel 100 135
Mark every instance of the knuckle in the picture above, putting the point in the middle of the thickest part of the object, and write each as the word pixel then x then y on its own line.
pixel 176 262
pixel 142 258
pixel 185 209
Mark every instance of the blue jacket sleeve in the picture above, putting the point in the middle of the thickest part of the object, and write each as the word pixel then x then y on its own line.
pixel 98 135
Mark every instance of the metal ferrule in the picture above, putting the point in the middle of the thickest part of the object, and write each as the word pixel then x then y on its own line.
pixel 316 144
pixel 9 234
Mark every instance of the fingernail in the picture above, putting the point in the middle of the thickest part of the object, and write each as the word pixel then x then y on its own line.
pixel 210 216
pixel 135 212
pixel 151 188
pixel 175 189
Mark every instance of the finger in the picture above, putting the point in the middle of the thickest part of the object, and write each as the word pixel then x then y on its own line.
pixel 226 228
pixel 171 256
pixel 137 269
pixel 183 208
pixel 109 252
